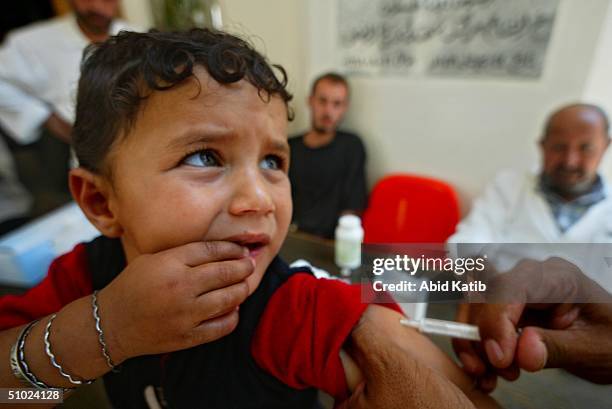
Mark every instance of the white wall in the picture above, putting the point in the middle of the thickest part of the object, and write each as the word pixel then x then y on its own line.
pixel 462 131
pixel 599 83
pixel 137 12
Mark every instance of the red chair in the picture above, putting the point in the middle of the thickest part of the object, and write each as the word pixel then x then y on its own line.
pixel 410 209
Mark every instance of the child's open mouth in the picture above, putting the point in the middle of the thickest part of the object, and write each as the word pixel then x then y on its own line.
pixel 254 242
pixel 254 248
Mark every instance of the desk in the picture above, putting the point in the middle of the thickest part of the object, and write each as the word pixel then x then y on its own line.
pixel 319 252
pixel 550 388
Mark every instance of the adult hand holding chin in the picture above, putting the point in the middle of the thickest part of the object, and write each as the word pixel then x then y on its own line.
pixel 175 299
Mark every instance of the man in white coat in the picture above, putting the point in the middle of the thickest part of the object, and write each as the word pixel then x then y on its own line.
pixel 39 71
pixel 568 201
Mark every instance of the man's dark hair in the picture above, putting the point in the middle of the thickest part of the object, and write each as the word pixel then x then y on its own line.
pixel 595 108
pixel 118 74
pixel 332 77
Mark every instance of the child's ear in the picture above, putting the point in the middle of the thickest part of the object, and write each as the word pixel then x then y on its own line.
pixel 94 195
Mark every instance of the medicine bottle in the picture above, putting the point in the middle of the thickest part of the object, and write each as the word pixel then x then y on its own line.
pixel 349 235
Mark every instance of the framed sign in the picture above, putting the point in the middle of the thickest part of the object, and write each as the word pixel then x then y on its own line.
pixel 473 38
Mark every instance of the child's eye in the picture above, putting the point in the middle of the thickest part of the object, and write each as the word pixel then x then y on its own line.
pixel 204 158
pixel 272 162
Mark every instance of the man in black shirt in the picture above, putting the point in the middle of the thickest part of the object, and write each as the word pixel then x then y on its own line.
pixel 327 165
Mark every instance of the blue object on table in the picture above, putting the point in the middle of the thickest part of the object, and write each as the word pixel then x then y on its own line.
pixel 26 253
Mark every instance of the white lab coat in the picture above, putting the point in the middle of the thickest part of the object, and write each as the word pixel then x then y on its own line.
pixel 39 72
pixel 512 210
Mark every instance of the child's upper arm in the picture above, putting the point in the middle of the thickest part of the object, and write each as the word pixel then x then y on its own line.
pixel 305 325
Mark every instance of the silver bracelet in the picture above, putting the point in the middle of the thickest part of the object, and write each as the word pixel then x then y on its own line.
pixel 19 365
pixel 96 315
pixel 54 361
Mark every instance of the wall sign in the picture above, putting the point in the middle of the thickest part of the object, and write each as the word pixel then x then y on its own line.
pixel 473 38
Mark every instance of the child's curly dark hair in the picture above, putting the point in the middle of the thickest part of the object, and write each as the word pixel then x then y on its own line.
pixel 118 74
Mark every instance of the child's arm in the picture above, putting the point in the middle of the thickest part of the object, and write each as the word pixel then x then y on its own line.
pixel 307 323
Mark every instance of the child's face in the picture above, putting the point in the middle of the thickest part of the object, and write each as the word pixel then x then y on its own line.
pixel 203 167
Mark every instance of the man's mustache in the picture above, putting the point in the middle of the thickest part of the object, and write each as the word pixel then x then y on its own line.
pixel 93 17
pixel 569 171
pixel 325 118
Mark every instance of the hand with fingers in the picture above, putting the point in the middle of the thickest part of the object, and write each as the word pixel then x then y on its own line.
pixel 175 299
pixel 563 321
pixel 393 376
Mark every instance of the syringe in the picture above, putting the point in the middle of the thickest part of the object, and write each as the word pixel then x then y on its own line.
pixel 446 328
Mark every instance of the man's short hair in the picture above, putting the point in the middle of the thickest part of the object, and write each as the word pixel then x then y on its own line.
pixel 595 108
pixel 333 77
pixel 119 74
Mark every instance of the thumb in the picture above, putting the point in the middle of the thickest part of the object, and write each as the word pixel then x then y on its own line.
pixel 540 348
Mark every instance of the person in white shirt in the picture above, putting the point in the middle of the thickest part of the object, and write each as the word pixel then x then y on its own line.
pixel 568 201
pixel 39 68
pixel 39 71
